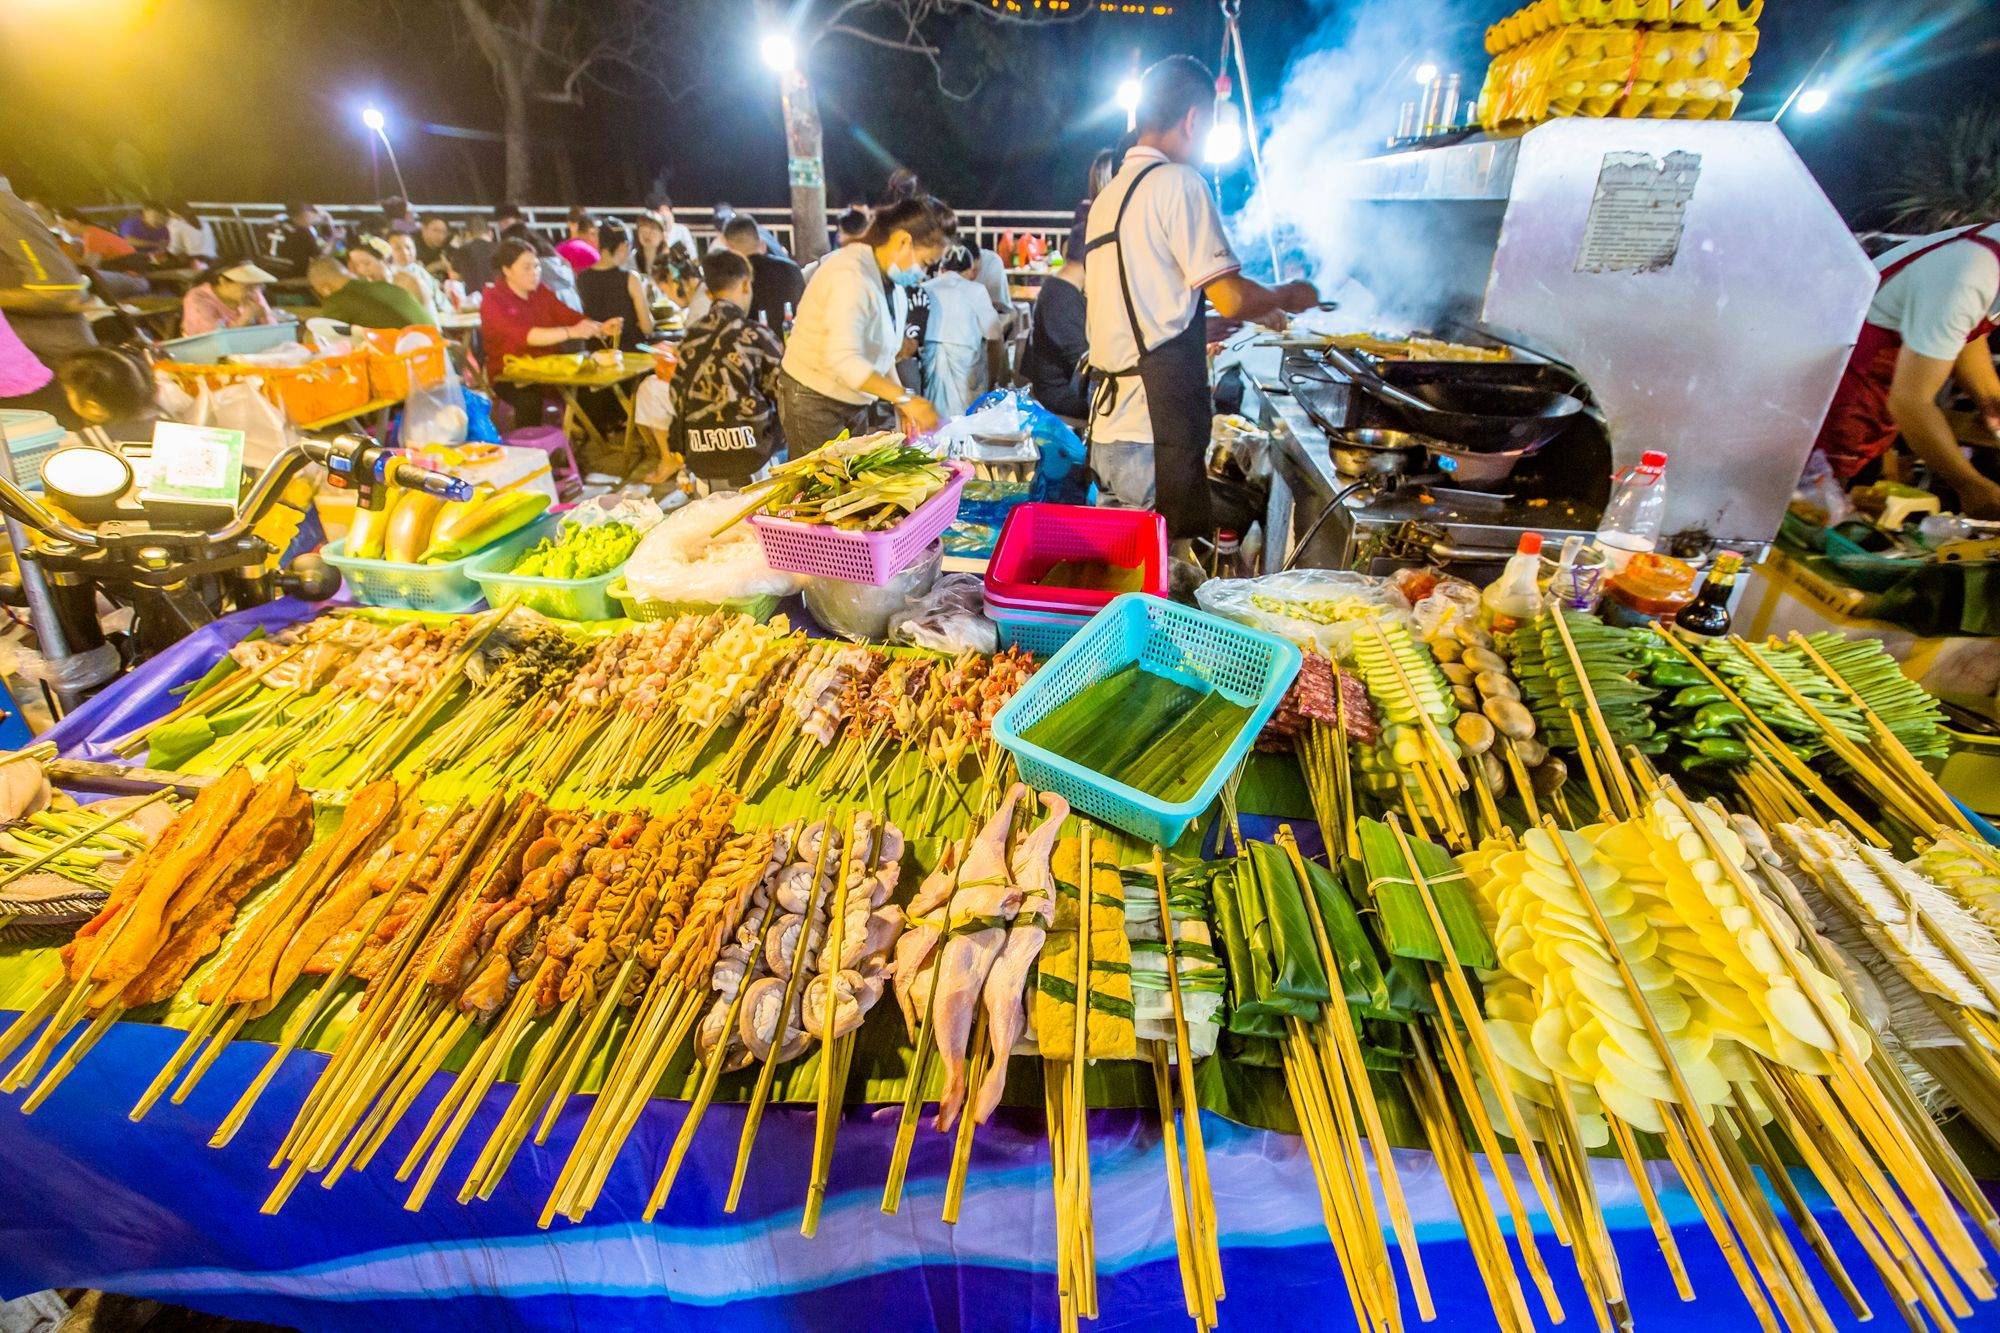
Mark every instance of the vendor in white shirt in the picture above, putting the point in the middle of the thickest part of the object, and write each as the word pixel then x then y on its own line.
pixel 1938 301
pixel 1158 256
pixel 839 371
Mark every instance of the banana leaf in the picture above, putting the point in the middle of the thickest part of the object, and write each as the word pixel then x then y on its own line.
pixel 1406 925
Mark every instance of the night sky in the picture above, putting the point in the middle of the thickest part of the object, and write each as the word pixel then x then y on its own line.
pixel 260 99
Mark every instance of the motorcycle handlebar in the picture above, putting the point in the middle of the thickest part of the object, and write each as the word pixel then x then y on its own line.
pixel 441 484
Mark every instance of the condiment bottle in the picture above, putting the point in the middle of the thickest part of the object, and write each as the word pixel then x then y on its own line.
pixel 1708 613
pixel 1515 598
pixel 1651 587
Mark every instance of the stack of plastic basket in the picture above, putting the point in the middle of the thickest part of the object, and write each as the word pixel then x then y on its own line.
pixel 1041 617
pixel 1658 59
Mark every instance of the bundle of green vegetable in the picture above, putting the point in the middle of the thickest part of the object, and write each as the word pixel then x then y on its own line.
pixel 864 484
pixel 1199 966
pixel 1614 660
pixel 1407 688
pixel 1151 732
pixel 579 552
pixel 1905 707
pixel 1773 706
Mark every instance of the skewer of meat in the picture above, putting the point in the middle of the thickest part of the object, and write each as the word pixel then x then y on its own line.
pixel 1004 995
pixel 260 963
pixel 981 910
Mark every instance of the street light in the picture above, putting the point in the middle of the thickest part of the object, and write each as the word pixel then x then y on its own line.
pixel 375 122
pixel 1128 99
pixel 1426 72
pixel 779 54
pixel 1813 100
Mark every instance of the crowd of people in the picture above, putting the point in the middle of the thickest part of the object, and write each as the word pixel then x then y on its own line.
pixel 905 320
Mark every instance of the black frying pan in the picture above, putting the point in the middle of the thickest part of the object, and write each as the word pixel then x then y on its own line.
pixel 1475 415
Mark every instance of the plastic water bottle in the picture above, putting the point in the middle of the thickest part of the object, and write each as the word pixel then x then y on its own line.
pixel 1631 522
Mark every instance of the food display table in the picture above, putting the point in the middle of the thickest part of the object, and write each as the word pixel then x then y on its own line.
pixel 619 380
pixel 148 1209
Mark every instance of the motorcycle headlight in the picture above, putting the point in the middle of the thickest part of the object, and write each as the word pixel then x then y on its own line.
pixel 86 480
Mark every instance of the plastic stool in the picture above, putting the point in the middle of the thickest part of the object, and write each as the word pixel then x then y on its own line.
pixel 562 458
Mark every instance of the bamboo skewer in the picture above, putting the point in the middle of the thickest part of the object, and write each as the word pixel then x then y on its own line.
pixel 769 1072
pixel 1201 1199
pixel 323 998
pixel 832 1059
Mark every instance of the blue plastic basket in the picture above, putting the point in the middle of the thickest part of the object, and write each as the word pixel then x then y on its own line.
pixel 200 349
pixel 1247 665
pixel 30 437
pixel 1042 633
pixel 446 586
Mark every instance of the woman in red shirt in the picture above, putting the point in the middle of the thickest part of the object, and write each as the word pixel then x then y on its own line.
pixel 517 316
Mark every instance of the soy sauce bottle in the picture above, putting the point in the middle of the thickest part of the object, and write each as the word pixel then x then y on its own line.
pixel 1708 613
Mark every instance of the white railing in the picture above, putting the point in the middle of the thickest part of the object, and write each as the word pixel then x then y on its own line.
pixel 243 228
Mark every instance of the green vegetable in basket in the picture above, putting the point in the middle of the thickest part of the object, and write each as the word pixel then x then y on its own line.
pixel 579 552
pixel 864 484
pixel 1147 731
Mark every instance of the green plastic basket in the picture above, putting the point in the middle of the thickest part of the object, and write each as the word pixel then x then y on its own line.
pixel 559 599
pixel 759 609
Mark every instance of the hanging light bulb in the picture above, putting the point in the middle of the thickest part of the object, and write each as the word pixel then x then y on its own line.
pixel 1225 138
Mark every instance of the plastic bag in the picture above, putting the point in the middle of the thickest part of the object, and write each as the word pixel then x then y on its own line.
pixel 950 619
pixel 479 427
pixel 1315 608
pixel 1451 602
pixel 863 611
pixel 433 413
pixel 243 406
pixel 683 560
pixel 1819 498
pixel 635 509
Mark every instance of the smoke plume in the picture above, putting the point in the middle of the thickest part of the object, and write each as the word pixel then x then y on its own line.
pixel 1339 103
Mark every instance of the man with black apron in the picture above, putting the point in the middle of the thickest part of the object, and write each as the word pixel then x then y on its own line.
pixel 1158 257
pixel 1938 301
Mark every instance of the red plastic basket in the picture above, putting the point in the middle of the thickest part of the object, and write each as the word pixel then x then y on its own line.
pixel 1037 537
pixel 860 557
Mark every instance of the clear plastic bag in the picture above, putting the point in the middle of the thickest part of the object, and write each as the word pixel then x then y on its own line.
pixel 1314 608
pixel 863 611
pixel 1451 602
pixel 635 509
pixel 684 559
pixel 952 619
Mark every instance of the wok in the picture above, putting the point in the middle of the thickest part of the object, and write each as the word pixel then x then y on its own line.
pixel 1475 415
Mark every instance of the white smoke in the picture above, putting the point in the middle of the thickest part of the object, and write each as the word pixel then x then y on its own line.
pixel 1340 103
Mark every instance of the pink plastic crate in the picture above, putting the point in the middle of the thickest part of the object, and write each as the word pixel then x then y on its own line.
pixel 1036 537
pixel 860 557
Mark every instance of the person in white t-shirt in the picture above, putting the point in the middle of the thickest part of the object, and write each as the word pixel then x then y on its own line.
pixel 1938 301
pixel 1157 257
pixel 962 337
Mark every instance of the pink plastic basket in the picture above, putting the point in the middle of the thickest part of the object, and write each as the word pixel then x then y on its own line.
pixel 1037 537
pixel 860 557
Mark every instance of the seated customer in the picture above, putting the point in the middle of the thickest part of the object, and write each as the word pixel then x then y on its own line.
pixel 775 284
pixel 227 298
pixel 610 289
pixel 111 391
pixel 346 299
pixel 406 272
pixel 520 316
pixel 725 391
pixel 1053 362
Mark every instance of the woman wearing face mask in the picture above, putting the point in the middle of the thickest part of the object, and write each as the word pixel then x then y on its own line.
pixel 839 370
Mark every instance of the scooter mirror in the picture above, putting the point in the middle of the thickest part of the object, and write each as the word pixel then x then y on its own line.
pixel 87 481
pixel 310 579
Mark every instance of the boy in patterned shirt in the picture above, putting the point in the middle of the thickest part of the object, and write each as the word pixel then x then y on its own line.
pixel 725 391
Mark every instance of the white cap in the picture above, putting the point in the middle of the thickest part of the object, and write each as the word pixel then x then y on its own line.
pixel 246 273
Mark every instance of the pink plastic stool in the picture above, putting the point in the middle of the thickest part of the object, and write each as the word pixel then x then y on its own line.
pixel 562 459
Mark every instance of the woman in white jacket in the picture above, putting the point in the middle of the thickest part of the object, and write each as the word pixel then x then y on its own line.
pixel 840 362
